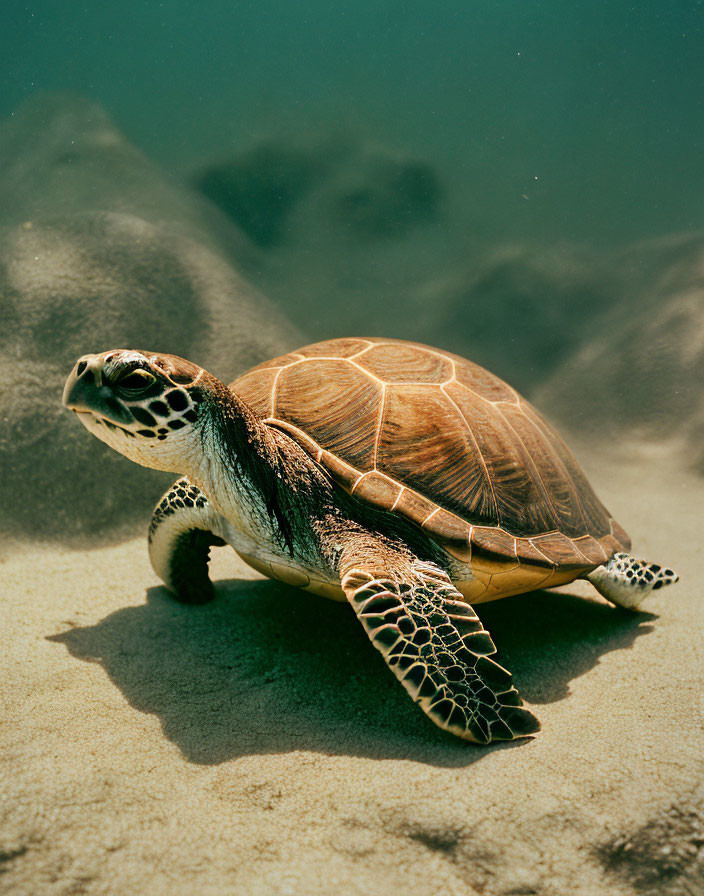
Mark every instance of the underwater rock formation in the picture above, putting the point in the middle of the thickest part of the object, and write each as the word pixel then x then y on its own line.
pixel 384 195
pixel 345 188
pixel 258 188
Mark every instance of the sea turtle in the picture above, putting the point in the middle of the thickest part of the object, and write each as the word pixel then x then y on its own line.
pixel 404 479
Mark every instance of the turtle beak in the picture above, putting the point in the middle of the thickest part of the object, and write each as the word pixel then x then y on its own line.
pixel 86 392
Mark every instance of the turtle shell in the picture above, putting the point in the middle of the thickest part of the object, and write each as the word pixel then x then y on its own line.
pixel 443 442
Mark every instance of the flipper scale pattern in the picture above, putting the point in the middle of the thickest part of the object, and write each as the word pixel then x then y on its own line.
pixel 438 649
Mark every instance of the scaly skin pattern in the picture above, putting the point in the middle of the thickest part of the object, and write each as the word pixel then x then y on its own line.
pixel 627 582
pixel 182 531
pixel 181 496
pixel 438 649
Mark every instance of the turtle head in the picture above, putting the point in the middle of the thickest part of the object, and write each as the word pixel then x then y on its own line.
pixel 149 407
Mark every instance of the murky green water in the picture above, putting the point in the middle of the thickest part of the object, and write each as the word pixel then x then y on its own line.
pixel 581 120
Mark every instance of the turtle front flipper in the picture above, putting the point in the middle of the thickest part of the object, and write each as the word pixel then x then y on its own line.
pixel 180 537
pixel 434 643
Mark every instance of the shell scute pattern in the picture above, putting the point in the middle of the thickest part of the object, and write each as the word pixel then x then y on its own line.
pixel 406 363
pixel 560 549
pixel 342 348
pixel 555 503
pixel 419 436
pixel 326 410
pixel 444 443
pixel 378 489
pixel 414 506
pixel 343 472
pixel 512 492
pixel 493 550
pixel 590 548
pixel 450 530
pixel 482 383
pixel 597 521
pixel 258 386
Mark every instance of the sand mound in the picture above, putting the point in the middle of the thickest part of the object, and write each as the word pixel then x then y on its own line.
pixel 517 310
pixel 640 367
pixel 98 249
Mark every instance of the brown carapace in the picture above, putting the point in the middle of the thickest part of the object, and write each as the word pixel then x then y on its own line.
pixel 451 447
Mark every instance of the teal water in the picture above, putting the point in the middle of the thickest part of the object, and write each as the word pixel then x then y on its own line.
pixel 581 120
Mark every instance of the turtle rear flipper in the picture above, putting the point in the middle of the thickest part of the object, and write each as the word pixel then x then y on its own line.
pixel 433 642
pixel 626 581
pixel 180 537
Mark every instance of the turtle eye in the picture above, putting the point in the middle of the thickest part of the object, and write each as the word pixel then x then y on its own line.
pixel 135 381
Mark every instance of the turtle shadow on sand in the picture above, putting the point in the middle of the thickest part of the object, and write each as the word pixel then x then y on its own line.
pixel 269 669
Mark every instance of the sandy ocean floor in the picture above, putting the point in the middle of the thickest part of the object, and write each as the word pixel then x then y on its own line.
pixel 258 745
